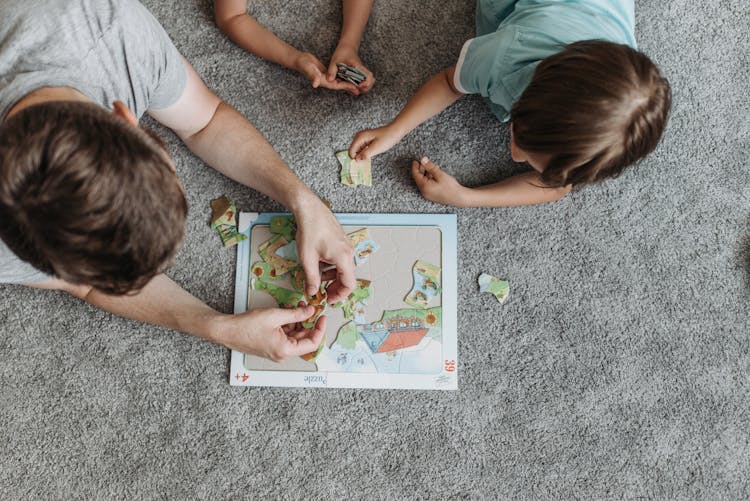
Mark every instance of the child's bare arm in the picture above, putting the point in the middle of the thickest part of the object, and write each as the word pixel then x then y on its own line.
pixel 432 98
pixel 356 14
pixel 242 29
pixel 522 189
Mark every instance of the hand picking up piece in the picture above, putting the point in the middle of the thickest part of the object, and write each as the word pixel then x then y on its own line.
pixel 354 172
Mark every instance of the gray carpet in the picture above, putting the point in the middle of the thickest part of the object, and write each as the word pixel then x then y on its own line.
pixel 618 368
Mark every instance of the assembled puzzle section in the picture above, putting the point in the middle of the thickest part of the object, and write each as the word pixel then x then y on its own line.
pixel 391 330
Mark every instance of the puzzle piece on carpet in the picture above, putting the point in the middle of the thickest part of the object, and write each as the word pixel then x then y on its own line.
pixel 224 221
pixel 499 288
pixel 426 284
pixel 354 172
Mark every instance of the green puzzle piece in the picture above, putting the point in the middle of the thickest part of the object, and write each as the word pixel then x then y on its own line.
pixel 499 288
pixel 283 297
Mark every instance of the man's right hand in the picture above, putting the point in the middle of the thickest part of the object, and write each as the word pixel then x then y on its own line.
pixel 273 333
pixel 371 142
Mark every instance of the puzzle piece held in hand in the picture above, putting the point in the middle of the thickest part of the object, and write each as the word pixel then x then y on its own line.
pixel 319 301
pixel 354 172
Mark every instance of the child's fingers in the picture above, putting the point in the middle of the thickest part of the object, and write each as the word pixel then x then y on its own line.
pixel 339 85
pixel 418 174
pixel 429 168
pixel 361 140
pixel 366 86
pixel 332 70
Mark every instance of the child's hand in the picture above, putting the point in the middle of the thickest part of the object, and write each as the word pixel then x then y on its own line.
pixel 350 57
pixel 368 143
pixel 312 69
pixel 435 185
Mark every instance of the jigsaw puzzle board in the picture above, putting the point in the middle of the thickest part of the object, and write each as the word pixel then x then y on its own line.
pixel 398 330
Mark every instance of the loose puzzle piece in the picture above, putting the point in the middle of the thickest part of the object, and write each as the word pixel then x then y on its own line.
pixel 264 272
pixel 223 220
pixel 354 172
pixel 426 284
pixel 267 251
pixel 283 297
pixel 319 301
pixel 285 226
pixel 353 305
pixel 499 288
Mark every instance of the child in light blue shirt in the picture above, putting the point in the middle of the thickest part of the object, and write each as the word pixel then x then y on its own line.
pixel 582 101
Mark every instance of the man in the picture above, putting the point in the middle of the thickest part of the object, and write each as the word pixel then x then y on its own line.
pixel 90 204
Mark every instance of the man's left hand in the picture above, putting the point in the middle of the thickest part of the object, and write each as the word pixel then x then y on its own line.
pixel 321 241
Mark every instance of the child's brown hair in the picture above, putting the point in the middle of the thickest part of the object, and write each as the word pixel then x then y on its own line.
pixel 595 108
pixel 88 198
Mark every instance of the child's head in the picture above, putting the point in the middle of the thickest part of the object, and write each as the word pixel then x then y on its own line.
pixel 87 197
pixel 590 111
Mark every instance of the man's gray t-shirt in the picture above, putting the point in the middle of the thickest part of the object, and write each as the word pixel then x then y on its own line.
pixel 110 50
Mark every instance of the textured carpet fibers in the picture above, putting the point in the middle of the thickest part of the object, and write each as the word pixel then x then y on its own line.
pixel 619 366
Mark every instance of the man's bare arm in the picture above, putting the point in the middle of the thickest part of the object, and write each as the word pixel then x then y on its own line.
pixel 225 140
pixel 163 302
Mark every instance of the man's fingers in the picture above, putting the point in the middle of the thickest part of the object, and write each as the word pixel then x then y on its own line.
pixel 310 341
pixel 345 278
pixel 311 265
pixel 329 275
pixel 293 315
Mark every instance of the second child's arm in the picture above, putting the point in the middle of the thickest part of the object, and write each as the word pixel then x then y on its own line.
pixel 526 188
pixel 432 98
pixel 242 29
pixel 356 14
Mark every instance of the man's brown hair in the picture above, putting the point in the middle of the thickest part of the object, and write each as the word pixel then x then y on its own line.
pixel 595 108
pixel 88 198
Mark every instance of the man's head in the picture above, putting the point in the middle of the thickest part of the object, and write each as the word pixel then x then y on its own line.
pixel 589 112
pixel 88 197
